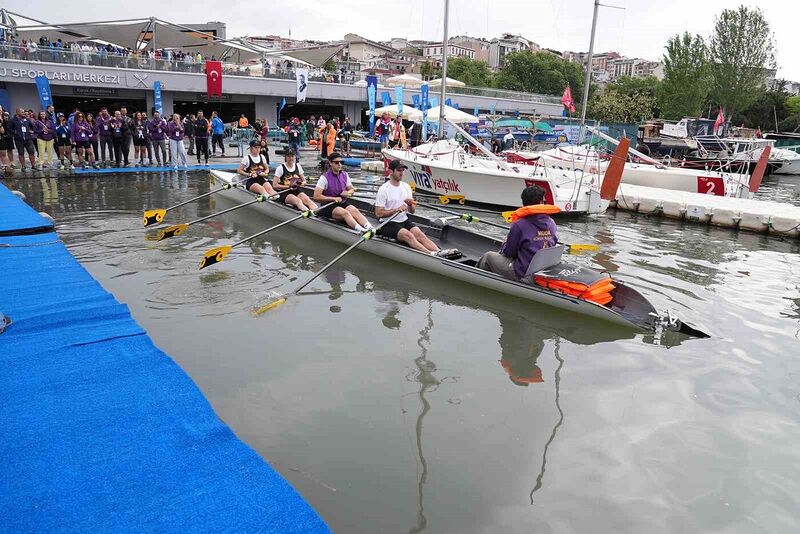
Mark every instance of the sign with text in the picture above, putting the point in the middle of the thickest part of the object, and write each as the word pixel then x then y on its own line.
pixel 95 91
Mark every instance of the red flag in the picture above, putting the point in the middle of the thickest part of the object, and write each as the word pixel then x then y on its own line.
pixel 214 78
pixel 720 120
pixel 566 100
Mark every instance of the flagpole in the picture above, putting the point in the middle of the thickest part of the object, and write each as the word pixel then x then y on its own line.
pixel 442 92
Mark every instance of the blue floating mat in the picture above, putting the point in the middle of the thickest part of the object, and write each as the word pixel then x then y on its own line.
pixel 352 162
pixel 16 217
pixel 100 431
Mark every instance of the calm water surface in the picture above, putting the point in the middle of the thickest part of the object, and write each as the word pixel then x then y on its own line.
pixel 399 401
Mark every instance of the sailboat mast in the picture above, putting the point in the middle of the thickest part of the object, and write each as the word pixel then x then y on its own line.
pixel 443 90
pixel 588 78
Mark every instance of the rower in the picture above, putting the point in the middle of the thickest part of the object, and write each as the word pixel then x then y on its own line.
pixel 333 188
pixel 288 179
pixel 532 230
pixel 256 168
pixel 395 196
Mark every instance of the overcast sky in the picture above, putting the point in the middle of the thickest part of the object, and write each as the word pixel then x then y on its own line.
pixel 640 30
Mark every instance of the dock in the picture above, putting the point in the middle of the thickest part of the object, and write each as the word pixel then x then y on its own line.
pixel 100 431
pixel 773 218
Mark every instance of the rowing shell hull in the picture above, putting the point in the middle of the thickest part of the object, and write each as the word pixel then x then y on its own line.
pixel 447 268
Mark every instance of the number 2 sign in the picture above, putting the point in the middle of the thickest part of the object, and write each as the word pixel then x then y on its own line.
pixel 711 185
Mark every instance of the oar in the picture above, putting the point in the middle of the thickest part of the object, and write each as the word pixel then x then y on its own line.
pixel 179 229
pixel 465 216
pixel 157 215
pixel 369 234
pixel 216 255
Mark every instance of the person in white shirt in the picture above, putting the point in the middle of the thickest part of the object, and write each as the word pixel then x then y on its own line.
pixel 508 140
pixel 289 177
pixel 255 167
pixel 395 196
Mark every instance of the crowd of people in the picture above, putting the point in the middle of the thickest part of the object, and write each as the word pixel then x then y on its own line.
pixel 51 139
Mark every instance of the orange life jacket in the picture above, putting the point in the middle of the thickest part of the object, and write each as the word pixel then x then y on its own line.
pixel 535 209
pixel 599 291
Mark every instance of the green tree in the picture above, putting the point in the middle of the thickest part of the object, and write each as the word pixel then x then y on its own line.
pixel 687 77
pixel 649 85
pixel 470 71
pixel 329 66
pixel 741 50
pixel 616 106
pixel 762 113
pixel 540 72
pixel 792 104
pixel 426 70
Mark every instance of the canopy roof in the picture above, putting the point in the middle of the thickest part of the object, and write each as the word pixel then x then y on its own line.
pixel 409 113
pixel 452 114
pixel 450 83
pixel 404 80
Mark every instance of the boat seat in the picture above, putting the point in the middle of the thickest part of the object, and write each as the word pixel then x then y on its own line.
pixel 545 258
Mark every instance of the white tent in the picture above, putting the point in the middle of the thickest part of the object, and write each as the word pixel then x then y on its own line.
pixel 363 83
pixel 452 114
pixel 404 80
pixel 409 113
pixel 450 83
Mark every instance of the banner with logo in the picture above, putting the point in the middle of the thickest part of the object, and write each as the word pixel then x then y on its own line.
pixel 302 83
pixel 43 88
pixel 281 105
pixel 372 94
pixel 157 97
pixel 415 100
pixel 214 78
pixel 448 102
pixel 398 96
pixel 386 99
pixel 423 91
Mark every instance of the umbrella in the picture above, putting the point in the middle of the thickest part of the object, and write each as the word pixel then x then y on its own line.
pixel 450 83
pixel 404 80
pixel 409 113
pixel 452 114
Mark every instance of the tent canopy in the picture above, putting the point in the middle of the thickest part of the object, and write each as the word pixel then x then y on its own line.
pixel 455 115
pixel 449 83
pixel 404 80
pixel 409 113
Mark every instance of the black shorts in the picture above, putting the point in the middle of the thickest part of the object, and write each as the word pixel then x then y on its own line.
pixel 83 144
pixel 24 146
pixel 291 191
pixel 391 229
pixel 6 143
pixel 63 141
pixel 138 141
pixel 328 210
pixel 393 144
pixel 260 180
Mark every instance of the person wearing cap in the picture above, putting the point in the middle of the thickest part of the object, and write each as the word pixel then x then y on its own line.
pixel 255 167
pixel 293 133
pixel 333 188
pixel 395 197
pixel 287 181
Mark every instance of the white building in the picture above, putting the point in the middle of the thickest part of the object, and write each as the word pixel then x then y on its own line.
pixel 499 48
pixel 479 46
pixel 434 52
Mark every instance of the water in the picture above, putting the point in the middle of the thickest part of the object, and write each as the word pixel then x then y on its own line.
pixel 399 401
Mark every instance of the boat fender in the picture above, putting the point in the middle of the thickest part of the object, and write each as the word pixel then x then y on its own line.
pixel 536 209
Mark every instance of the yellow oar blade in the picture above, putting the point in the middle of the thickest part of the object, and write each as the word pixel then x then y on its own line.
pixel 154 216
pixel 579 247
pixel 446 199
pixel 413 186
pixel 215 255
pixel 508 216
pixel 267 307
pixel 172 231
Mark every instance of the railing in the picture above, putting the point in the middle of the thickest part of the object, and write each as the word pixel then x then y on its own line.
pixel 142 61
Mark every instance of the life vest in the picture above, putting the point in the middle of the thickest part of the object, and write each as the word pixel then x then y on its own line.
pixel 258 165
pixel 399 134
pixel 290 177
pixel 577 281
pixel 336 183
pixel 535 209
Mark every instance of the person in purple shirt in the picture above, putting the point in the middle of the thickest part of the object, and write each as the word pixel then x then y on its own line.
pixel 175 131
pixel 104 134
pixel 157 127
pixel 529 233
pixel 81 133
pixel 45 132
pixel 93 134
pixel 117 137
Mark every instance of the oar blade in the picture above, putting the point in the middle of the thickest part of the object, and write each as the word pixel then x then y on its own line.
pixel 580 247
pixel 172 231
pixel 446 199
pixel 508 216
pixel 269 306
pixel 215 255
pixel 152 217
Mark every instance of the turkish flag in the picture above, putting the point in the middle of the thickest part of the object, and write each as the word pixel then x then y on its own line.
pixel 214 78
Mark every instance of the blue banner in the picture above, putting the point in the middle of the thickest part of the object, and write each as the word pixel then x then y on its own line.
pixel 494 107
pixel 372 93
pixel 398 97
pixel 448 102
pixel 434 102
pixel 455 105
pixel 415 100
pixel 43 88
pixel 475 111
pixel 423 91
pixel 281 105
pixel 386 99
pixel 157 96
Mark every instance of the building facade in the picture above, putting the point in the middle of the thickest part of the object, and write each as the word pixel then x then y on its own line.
pixel 499 48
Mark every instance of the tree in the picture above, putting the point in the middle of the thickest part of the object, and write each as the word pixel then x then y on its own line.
pixel 762 113
pixel 426 70
pixel 329 66
pixel 741 51
pixel 616 106
pixel 540 72
pixel 687 77
pixel 649 85
pixel 792 104
pixel 470 71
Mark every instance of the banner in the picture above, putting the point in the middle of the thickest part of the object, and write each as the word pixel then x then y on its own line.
pixel 214 78
pixel 386 100
pixel 157 97
pixel 372 93
pixel 281 105
pixel 423 91
pixel 302 83
pixel 43 88
pixel 434 102
pixel 455 105
pixel 415 100
pixel 398 97
pixel 475 111
pixel 448 102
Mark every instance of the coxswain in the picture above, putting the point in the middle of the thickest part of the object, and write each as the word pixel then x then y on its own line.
pixel 288 178
pixel 333 188
pixel 383 128
pixel 532 230
pixel 255 167
pixel 395 197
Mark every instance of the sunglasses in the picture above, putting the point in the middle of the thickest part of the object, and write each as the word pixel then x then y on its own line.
pixel 337 161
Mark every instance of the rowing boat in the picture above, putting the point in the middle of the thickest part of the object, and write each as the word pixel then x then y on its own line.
pixel 627 308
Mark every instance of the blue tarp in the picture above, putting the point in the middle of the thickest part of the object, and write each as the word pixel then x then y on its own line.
pixel 17 217
pixel 100 431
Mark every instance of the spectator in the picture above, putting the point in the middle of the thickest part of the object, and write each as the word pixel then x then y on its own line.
pixel 105 136
pixel 63 142
pixel 175 132
pixel 81 133
pixel 293 134
pixel 22 130
pixel 201 129
pixel 156 127
pixel 217 134
pixel 127 134
pixel 6 142
pixel 93 133
pixel 118 133
pixel 188 127
pixel 139 133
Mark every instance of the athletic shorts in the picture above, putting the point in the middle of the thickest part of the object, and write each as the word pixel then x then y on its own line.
pixel 257 180
pixel 139 141
pixel 393 144
pixel 391 229
pixel 6 143
pixel 63 142
pixel 328 211
pixel 83 144
pixel 24 146
pixel 384 138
